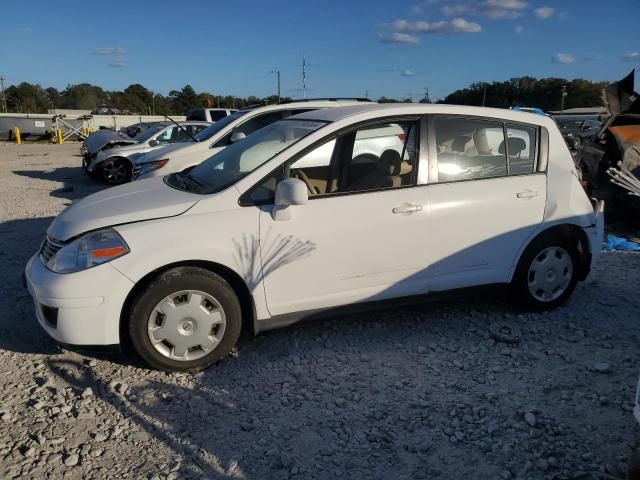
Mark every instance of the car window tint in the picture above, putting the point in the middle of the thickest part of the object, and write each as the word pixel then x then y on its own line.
pixel 217 115
pixel 250 126
pixel 521 145
pixel 469 149
pixel 198 115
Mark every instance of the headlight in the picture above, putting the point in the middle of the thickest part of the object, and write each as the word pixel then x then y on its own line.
pixel 147 167
pixel 93 248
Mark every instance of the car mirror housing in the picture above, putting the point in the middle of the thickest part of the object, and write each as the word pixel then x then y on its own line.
pixel 288 192
pixel 154 143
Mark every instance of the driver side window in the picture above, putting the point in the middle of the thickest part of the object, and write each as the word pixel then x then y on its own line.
pixel 374 157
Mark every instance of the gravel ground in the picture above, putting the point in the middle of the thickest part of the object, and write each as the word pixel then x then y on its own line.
pixel 454 390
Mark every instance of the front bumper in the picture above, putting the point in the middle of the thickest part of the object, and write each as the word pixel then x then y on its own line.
pixel 81 308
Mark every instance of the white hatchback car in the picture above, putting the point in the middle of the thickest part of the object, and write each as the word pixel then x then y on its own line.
pixel 230 129
pixel 321 210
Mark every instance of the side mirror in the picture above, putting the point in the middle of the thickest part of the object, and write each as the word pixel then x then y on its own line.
pixel 288 192
pixel 236 137
pixel 154 143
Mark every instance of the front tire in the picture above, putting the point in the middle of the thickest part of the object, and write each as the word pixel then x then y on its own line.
pixel 186 319
pixel 116 171
pixel 547 273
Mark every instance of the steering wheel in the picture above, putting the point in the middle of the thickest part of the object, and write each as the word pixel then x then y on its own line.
pixel 307 182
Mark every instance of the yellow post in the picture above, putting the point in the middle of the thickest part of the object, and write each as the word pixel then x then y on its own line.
pixel 60 136
pixel 52 135
pixel 16 132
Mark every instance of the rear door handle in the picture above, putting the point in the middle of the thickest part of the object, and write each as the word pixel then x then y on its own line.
pixel 407 208
pixel 527 194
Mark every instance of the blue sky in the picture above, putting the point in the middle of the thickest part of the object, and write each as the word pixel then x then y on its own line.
pixel 393 48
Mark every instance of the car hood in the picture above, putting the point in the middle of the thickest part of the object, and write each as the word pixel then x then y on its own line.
pixel 98 140
pixel 124 151
pixel 166 151
pixel 132 202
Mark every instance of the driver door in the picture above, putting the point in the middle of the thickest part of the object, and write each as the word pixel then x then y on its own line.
pixel 364 233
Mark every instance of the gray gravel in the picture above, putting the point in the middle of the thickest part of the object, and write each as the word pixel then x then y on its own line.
pixel 464 389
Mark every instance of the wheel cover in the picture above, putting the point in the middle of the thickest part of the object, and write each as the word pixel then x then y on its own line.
pixel 186 325
pixel 114 171
pixel 550 274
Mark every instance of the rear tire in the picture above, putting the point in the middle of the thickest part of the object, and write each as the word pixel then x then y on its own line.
pixel 186 319
pixel 547 273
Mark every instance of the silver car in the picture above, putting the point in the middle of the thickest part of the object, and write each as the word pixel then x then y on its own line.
pixel 114 165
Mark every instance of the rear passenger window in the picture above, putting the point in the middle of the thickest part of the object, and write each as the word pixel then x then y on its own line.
pixel 521 146
pixel 469 149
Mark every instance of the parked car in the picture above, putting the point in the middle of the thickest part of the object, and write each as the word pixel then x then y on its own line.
pixel 137 128
pixel 238 125
pixel 209 114
pixel 258 236
pixel 576 129
pixel 115 165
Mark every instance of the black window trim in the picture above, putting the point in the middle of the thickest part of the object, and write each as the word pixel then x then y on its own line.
pixel 245 201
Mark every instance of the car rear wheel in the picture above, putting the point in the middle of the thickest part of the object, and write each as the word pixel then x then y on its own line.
pixel 115 171
pixel 546 274
pixel 187 319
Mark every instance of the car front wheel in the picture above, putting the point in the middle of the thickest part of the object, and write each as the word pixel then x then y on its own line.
pixel 186 319
pixel 116 171
pixel 546 274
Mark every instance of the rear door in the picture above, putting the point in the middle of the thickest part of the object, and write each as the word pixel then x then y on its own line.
pixel 487 198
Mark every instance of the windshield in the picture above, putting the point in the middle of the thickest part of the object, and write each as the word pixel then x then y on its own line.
pixel 211 130
pixel 148 133
pixel 243 157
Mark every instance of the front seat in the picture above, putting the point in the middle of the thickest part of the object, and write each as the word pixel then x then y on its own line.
pixel 385 175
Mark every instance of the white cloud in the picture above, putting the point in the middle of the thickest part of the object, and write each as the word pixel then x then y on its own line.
pixel 631 57
pixel 443 26
pixel 110 51
pixel 398 37
pixel 544 12
pixel 118 64
pixel 563 58
pixel 494 9
pixel 519 29
pixel 408 73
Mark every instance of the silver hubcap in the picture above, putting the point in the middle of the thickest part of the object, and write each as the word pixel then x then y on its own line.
pixel 550 274
pixel 114 171
pixel 186 325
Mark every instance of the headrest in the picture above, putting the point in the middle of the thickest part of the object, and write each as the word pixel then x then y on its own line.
pixel 481 142
pixel 459 144
pixel 516 145
pixel 390 163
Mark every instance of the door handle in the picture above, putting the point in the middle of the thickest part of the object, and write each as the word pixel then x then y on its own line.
pixel 527 194
pixel 407 208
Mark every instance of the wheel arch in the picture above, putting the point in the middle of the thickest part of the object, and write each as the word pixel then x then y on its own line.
pixel 570 232
pixel 238 285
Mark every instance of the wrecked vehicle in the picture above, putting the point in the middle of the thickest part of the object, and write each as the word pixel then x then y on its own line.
pixel 109 156
pixel 614 153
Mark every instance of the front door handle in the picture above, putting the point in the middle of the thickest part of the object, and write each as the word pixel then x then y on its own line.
pixel 407 208
pixel 527 194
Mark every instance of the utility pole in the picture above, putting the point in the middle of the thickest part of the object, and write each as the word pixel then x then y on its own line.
pixel 277 72
pixel 564 94
pixel 304 77
pixel 484 93
pixel 4 98
pixel 427 96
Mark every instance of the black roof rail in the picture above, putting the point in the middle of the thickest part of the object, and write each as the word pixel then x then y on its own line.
pixel 331 99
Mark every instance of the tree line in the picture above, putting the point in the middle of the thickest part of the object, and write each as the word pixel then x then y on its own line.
pixel 545 93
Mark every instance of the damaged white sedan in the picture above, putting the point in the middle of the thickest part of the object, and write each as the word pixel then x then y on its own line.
pixel 329 208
